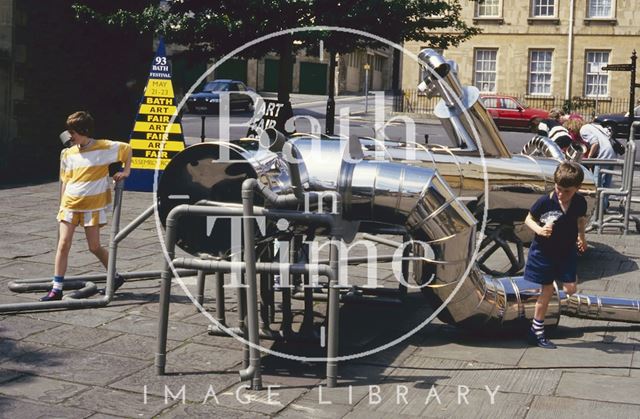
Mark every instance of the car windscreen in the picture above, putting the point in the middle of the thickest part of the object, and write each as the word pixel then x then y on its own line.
pixel 215 86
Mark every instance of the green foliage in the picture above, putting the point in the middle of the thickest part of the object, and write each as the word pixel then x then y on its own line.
pixel 216 30
pixel 577 104
pixel 437 24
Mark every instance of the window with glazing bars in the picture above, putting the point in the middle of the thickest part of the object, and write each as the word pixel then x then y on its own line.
pixel 596 80
pixel 543 8
pixel 600 8
pixel 485 69
pixel 488 8
pixel 540 72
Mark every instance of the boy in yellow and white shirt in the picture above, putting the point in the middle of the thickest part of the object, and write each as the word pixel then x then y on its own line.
pixel 85 192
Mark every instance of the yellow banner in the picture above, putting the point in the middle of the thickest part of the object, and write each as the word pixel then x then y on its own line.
pixel 159 88
pixel 155 145
pixel 141 126
pixel 157 109
pixel 148 163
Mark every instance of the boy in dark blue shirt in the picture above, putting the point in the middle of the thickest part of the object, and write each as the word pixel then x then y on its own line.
pixel 559 220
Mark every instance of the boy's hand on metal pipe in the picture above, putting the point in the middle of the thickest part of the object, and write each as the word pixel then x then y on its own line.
pixel 120 176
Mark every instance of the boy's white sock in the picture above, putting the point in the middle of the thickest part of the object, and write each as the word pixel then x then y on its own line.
pixel 537 327
pixel 57 282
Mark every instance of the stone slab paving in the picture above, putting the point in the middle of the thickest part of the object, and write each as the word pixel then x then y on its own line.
pixel 544 407
pixel 42 389
pixel 99 363
pixel 600 387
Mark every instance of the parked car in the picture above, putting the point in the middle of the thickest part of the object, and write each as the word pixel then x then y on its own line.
pixel 511 113
pixel 208 99
pixel 619 122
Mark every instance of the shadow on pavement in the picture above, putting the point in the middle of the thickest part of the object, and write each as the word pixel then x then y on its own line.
pixel 601 259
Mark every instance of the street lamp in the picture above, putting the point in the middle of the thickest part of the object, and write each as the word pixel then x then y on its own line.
pixel 366 88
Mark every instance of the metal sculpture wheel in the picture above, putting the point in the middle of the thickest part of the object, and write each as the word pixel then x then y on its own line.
pixel 499 237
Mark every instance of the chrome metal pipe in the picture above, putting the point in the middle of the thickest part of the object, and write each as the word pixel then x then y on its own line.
pixel 543 146
pixel 514 183
pixel 462 114
pixel 421 201
pixel 600 308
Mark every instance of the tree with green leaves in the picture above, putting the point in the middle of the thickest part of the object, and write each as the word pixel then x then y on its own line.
pixel 437 24
pixel 216 28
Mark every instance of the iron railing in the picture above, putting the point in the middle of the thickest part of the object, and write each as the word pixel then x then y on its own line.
pixel 413 101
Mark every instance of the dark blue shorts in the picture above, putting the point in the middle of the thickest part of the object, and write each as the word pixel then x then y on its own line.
pixel 543 270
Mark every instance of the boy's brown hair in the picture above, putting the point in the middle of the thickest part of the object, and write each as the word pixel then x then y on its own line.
pixel 555 113
pixel 568 174
pixel 81 122
pixel 574 124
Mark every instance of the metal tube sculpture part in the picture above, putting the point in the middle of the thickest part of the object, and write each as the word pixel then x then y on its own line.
pixel 393 193
pixel 408 194
pixel 515 181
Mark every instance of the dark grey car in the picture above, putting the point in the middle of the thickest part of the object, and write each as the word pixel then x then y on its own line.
pixel 619 122
pixel 208 99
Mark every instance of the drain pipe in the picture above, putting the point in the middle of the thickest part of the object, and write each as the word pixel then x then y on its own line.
pixel 567 89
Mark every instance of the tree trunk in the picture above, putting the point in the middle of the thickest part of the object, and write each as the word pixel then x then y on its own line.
pixel 331 103
pixel 285 73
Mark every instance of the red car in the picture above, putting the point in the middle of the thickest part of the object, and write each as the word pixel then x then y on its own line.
pixel 510 113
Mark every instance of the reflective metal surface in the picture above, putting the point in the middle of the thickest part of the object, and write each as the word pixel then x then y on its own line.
pixel 429 191
pixel 212 172
pixel 540 146
pixel 463 116
pixel 546 147
pixel 417 198
pixel 514 183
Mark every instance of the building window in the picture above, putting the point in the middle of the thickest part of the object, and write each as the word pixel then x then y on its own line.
pixel 485 69
pixel 378 63
pixel 488 8
pixel 540 72
pixel 596 80
pixel 354 60
pixel 544 8
pixel 600 9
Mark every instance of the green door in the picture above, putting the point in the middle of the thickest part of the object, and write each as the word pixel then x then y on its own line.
pixel 186 71
pixel 235 69
pixel 313 78
pixel 271 75
pixel 271 71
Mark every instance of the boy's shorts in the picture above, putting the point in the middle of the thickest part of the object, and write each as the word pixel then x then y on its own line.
pixel 541 270
pixel 83 218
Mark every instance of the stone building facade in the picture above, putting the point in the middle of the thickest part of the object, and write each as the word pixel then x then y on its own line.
pixel 544 48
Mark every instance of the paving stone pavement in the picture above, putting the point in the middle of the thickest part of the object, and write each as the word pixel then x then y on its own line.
pixel 98 363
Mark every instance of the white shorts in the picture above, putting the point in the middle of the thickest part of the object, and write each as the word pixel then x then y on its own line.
pixel 83 218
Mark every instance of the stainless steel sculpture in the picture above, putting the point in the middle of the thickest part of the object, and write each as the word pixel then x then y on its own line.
pixel 429 204
pixel 515 181
pixel 395 193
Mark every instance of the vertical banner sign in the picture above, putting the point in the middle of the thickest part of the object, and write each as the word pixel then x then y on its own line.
pixel 270 114
pixel 154 141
